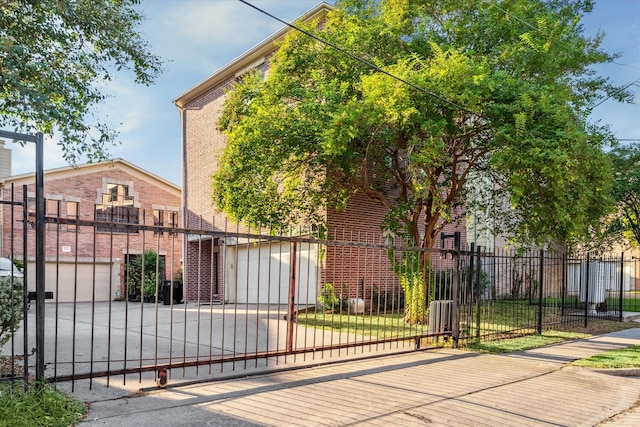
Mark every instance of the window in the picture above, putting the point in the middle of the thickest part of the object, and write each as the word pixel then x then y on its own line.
pixel 116 214
pixel 72 213
pixel 31 206
pixel 259 68
pixel 53 210
pixel 117 206
pixel 173 219
pixel 117 195
pixel 158 220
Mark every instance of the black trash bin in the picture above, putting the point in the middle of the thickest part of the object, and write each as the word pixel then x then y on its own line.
pixel 166 292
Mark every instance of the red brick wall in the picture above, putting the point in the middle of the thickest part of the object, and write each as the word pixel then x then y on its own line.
pixel 85 186
pixel 357 270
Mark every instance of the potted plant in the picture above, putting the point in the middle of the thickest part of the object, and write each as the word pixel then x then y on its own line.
pixel 149 286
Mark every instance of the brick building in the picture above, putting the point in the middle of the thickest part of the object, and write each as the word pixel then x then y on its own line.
pixel 219 269
pixel 82 259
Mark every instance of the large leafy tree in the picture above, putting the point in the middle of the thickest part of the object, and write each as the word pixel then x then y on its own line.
pixel 462 94
pixel 55 54
pixel 626 191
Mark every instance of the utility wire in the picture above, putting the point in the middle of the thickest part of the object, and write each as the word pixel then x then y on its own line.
pixel 364 61
pixel 522 21
pixel 615 93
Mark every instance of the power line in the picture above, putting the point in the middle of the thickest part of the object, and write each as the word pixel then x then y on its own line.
pixel 364 61
pixel 522 21
pixel 615 93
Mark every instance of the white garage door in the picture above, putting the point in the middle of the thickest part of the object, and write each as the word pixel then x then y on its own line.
pixel 261 273
pixel 82 288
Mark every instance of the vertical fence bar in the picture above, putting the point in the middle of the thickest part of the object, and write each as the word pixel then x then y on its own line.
pixel 246 306
pixel 143 274
pixel 40 253
pixel 110 306
pixel 478 291
pixel 586 290
pixel 620 296
pixel 540 292
pixel 455 320
pixel 259 274
pixel 127 276
pixel 25 292
pixel 563 290
pixel 269 302
pixel 470 291
pixel 93 303
pixel 292 298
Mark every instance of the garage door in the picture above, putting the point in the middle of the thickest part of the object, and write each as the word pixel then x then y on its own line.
pixel 83 287
pixel 260 273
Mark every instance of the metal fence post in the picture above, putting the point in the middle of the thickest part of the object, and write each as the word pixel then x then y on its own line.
pixel 40 285
pixel 540 290
pixel 478 291
pixel 455 316
pixel 621 299
pixel 38 139
pixel 292 294
pixel 470 292
pixel 563 294
pixel 586 291
pixel 26 302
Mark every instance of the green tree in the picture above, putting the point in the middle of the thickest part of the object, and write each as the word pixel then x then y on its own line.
pixel 626 191
pixel 53 57
pixel 494 92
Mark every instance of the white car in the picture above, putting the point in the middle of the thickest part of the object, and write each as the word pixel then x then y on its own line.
pixel 8 268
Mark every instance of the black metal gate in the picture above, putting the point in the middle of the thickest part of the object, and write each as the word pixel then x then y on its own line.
pixel 184 304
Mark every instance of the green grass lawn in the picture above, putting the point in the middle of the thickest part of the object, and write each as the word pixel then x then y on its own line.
pixel 503 318
pixel 381 326
pixel 523 343
pixel 628 357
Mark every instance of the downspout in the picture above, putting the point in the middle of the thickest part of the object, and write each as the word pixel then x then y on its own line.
pixel 185 269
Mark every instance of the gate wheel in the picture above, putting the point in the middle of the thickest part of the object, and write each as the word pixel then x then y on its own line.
pixel 162 377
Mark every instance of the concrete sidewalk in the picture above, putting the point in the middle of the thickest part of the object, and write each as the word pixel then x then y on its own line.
pixel 436 388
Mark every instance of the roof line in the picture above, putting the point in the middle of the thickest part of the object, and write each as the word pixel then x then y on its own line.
pixel 90 165
pixel 263 47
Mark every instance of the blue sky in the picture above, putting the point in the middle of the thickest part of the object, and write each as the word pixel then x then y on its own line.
pixel 198 37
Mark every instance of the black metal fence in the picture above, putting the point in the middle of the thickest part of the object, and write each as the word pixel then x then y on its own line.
pixel 217 302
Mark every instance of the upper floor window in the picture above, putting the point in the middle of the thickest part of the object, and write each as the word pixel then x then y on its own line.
pixel 53 207
pixel 117 195
pixel 72 213
pixel 259 67
pixel 158 220
pixel 117 206
pixel 173 219
pixel 53 210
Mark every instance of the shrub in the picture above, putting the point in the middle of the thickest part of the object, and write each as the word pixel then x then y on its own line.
pixel 149 262
pixel 328 298
pixel 11 310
